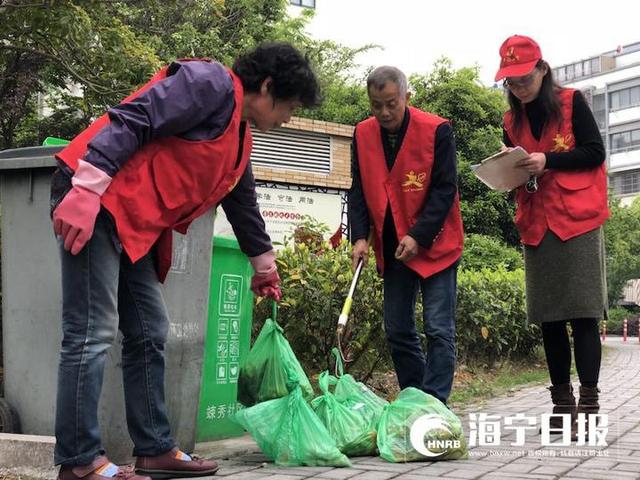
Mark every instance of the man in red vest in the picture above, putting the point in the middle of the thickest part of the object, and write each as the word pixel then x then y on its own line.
pixel 169 152
pixel 404 195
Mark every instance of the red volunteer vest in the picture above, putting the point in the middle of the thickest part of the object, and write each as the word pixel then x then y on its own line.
pixel 570 202
pixel 168 182
pixel 405 188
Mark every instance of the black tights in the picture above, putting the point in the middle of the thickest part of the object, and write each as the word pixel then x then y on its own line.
pixel 587 350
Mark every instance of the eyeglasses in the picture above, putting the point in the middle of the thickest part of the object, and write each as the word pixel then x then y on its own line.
pixel 519 82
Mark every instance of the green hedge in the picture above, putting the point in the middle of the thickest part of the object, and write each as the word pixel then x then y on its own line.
pixel 491 315
pixel 483 251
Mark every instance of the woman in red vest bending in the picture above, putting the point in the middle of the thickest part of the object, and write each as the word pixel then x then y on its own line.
pixel 559 215
pixel 168 153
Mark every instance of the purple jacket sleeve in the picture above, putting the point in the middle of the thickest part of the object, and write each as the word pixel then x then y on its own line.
pixel 195 102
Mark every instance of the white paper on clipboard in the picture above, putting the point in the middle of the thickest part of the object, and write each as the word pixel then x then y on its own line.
pixel 499 171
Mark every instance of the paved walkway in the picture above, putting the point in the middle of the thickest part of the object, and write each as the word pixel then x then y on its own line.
pixel 620 459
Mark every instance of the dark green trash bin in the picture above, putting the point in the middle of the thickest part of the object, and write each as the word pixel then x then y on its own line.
pixel 227 340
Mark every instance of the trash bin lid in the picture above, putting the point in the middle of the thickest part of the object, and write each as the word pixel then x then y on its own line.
pixel 29 157
pixel 55 141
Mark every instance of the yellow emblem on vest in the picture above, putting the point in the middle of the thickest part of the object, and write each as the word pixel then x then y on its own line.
pixel 415 182
pixel 561 142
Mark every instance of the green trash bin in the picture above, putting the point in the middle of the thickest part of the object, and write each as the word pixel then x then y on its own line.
pixel 227 340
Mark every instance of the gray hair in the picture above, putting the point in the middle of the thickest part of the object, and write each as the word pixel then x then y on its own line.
pixel 381 75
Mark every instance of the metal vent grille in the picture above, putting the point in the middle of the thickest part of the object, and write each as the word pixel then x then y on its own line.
pixel 290 149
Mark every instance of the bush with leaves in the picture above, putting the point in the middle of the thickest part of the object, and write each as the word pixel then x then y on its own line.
pixel 483 251
pixel 315 282
pixel 615 323
pixel 491 317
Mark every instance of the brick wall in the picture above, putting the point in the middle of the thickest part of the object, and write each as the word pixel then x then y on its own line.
pixel 340 176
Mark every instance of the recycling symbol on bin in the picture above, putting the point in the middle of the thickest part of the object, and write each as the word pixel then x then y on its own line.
pixel 231 292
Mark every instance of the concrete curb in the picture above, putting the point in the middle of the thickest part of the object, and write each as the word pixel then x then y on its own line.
pixel 32 455
pixel 28 455
pixel 227 448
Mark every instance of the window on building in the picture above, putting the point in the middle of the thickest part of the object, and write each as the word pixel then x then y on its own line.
pixel 626 98
pixel 595 65
pixel 578 69
pixel 625 183
pixel 570 72
pixel 561 74
pixel 586 67
pixel 599 110
pixel 304 3
pixel 622 141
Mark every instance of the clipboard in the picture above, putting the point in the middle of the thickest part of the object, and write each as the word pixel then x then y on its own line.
pixel 499 171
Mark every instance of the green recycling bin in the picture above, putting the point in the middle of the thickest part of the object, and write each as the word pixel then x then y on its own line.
pixel 227 340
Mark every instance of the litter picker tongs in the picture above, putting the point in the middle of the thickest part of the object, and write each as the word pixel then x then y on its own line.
pixel 344 315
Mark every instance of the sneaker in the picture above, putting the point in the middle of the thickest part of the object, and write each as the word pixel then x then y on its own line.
pixel 175 464
pixel 100 469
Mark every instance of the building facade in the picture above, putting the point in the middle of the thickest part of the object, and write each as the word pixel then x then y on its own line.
pixel 303 168
pixel 610 82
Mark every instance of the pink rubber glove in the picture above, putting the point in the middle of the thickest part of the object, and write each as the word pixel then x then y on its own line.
pixel 75 218
pixel 266 281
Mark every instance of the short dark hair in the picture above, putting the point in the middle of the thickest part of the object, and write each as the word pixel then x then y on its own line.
pixel 290 71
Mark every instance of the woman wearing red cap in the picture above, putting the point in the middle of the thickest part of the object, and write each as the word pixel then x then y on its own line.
pixel 559 215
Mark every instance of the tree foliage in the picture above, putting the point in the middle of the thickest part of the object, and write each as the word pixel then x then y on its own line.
pixel 87 55
pixel 622 241
pixel 344 89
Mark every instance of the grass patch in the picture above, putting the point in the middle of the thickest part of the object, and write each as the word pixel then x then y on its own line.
pixel 475 383
pixel 478 383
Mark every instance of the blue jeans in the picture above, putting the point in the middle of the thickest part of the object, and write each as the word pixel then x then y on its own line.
pixel 433 374
pixel 103 292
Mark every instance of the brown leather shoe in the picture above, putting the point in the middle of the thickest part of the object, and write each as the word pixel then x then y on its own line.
pixel 175 464
pixel 100 469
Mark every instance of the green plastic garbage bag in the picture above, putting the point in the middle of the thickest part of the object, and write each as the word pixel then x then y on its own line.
pixel 263 375
pixel 290 433
pixel 436 436
pixel 356 395
pixel 351 428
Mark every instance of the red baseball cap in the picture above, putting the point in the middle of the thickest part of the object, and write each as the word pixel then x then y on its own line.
pixel 518 56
